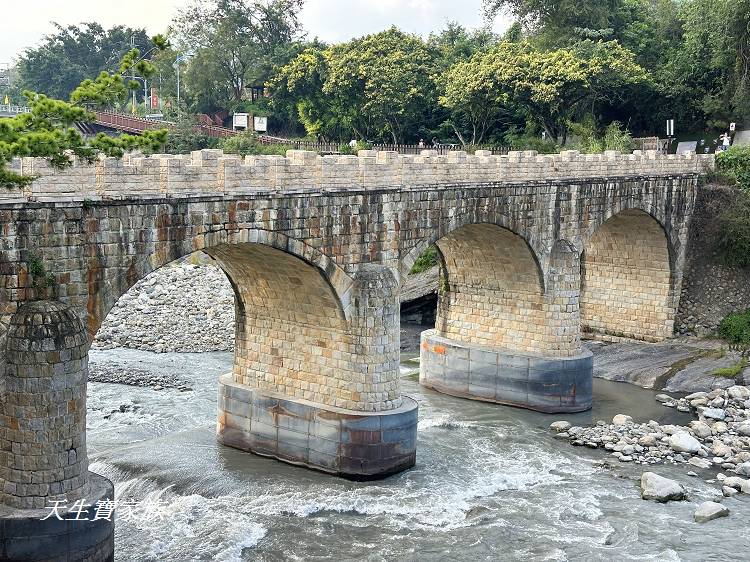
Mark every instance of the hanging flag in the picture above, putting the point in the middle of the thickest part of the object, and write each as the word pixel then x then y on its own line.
pixel 6 101
pixel 154 99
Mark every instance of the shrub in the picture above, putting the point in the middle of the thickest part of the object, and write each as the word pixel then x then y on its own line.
pixel 734 225
pixel 733 371
pixel 735 164
pixel 615 137
pixel 735 328
pixel 426 261
pixel 247 143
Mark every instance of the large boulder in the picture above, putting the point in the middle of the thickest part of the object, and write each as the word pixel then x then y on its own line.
pixel 743 469
pixel 684 443
pixel 707 511
pixel 743 429
pixel 560 426
pixel 739 393
pixel 622 419
pixel 660 489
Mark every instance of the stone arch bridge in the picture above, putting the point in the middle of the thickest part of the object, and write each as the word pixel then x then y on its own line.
pixel 536 252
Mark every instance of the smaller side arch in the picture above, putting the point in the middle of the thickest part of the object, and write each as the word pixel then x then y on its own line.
pixel 444 229
pixel 628 282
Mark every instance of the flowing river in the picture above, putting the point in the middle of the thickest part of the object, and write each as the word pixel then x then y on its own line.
pixel 491 483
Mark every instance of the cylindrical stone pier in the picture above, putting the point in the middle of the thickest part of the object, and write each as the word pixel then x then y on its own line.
pixel 43 440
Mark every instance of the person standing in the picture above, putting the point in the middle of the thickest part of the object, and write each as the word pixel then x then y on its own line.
pixel 726 142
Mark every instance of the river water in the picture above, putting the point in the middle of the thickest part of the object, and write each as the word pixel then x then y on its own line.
pixel 491 483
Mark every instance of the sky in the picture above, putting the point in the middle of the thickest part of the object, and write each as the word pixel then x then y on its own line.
pixel 24 24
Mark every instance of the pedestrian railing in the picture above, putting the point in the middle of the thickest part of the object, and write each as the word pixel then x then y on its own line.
pixel 13 109
pixel 335 147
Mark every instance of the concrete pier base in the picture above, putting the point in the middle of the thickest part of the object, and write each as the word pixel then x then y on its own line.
pixel 25 537
pixel 355 445
pixel 545 384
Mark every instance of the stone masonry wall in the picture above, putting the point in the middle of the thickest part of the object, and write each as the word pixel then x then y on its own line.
pixel 492 293
pixel 360 229
pixel 209 171
pixel 43 406
pixel 626 280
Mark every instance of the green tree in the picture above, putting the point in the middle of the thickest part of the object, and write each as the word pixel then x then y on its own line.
pixel 235 44
pixel 548 88
pixel 49 129
pixel 73 53
pixel 378 87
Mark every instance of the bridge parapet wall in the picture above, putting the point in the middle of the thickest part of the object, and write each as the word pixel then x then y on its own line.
pixel 211 171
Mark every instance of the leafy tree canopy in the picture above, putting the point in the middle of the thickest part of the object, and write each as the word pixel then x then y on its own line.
pixel 73 53
pixel 235 44
pixel 376 87
pixel 49 130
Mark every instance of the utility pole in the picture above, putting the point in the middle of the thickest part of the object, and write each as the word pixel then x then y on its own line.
pixel 132 71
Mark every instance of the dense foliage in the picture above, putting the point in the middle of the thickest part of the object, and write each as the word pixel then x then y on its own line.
pixel 561 74
pixel 735 231
pixel 734 164
pixel 49 130
pixel 735 328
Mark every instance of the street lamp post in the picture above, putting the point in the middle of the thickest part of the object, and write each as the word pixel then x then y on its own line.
pixel 176 65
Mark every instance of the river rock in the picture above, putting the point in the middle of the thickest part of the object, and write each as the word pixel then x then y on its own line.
pixel 714 413
pixel 560 426
pixel 734 482
pixel 718 428
pixel 708 511
pixel 663 398
pixel 739 393
pixel 728 492
pixel 743 469
pixel 660 489
pixel 622 419
pixel 700 429
pixel 700 463
pixel 743 428
pixel 684 443
pixel 720 449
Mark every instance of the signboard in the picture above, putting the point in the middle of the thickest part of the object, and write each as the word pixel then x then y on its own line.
pixel 733 127
pixel 154 99
pixel 240 120
pixel 670 127
pixel 260 124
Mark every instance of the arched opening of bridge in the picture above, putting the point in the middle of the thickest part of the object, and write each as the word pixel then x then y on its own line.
pixel 505 333
pixel 626 280
pixel 311 370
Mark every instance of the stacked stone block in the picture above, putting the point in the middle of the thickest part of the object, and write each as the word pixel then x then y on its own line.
pixel 627 291
pixel 211 171
pixel 43 438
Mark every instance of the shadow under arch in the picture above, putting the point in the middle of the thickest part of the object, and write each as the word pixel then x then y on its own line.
pixel 491 289
pixel 628 277
pixel 104 292
pixel 494 219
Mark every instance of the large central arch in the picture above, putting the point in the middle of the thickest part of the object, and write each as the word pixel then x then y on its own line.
pixel 505 332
